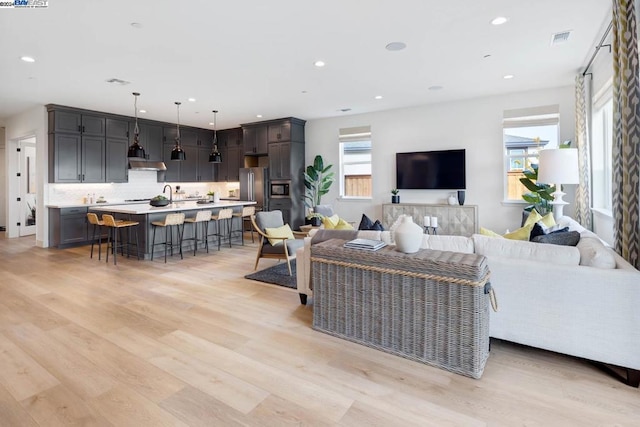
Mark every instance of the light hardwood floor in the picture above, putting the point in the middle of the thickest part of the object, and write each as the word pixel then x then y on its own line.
pixel 192 342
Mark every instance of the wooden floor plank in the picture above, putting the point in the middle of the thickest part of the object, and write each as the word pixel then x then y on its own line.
pixel 191 342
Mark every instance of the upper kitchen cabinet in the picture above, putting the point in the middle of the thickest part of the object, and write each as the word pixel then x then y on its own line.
pixel 254 140
pixel 196 144
pixel 151 140
pixel 289 129
pixel 232 152
pixel 117 128
pixel 78 147
pixel 117 147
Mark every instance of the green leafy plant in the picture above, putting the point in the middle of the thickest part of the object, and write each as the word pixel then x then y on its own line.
pixel 540 195
pixel 317 182
pixel 395 191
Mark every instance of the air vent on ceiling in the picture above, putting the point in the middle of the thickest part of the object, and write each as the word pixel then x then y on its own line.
pixel 561 37
pixel 117 81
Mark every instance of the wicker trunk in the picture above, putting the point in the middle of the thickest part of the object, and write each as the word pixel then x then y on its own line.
pixel 430 306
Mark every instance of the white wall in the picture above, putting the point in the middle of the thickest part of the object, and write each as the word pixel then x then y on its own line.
pixel 475 125
pixel 29 123
pixel 3 179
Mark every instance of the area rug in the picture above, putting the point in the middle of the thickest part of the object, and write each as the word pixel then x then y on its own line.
pixel 277 275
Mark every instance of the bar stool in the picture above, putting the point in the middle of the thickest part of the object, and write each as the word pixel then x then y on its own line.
pixel 202 217
pixel 97 226
pixel 244 216
pixel 112 241
pixel 224 215
pixel 170 221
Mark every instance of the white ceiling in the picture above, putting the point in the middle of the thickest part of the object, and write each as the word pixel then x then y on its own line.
pixel 249 57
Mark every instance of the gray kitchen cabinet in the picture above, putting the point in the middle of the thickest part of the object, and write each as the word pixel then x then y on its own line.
pixel 151 140
pixel 280 131
pixel 206 170
pixel 68 226
pixel 280 160
pixel 172 174
pixel 232 152
pixel 254 140
pixel 285 206
pixel 117 166
pixel 117 128
pixel 78 147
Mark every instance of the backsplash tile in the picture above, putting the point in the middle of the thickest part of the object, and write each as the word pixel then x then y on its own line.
pixel 142 184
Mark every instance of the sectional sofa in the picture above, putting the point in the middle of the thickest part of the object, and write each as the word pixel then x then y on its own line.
pixel 582 300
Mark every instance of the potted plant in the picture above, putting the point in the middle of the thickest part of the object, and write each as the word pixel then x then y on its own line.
pixel 317 181
pixel 211 195
pixel 540 195
pixel 314 219
pixel 395 198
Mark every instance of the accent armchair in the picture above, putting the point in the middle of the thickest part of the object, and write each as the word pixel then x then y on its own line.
pixel 276 238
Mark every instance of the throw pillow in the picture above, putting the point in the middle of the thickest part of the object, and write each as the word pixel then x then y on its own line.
pixel 521 233
pixel 548 220
pixel 594 253
pixel 367 224
pixel 533 217
pixel 489 233
pixel 564 238
pixel 536 231
pixel 284 231
pixel 330 222
pixel 343 225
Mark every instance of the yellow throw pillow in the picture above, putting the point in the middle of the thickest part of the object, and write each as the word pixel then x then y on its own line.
pixel 521 233
pixel 330 222
pixel 533 217
pixel 284 231
pixel 548 220
pixel 488 233
pixel 343 225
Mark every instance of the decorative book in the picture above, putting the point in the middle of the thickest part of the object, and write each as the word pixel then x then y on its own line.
pixel 366 244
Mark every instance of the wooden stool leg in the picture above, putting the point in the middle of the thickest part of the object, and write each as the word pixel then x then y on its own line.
pixel 153 241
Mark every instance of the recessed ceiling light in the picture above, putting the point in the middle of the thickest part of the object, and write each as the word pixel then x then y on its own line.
pixel 319 64
pixel 436 87
pixel 191 100
pixel 210 123
pixel 136 25
pixel 508 76
pixel 142 111
pixel 27 59
pixel 259 116
pixel 499 20
pixel 378 97
pixel 393 46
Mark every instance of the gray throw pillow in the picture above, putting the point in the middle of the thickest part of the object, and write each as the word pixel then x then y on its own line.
pixel 564 238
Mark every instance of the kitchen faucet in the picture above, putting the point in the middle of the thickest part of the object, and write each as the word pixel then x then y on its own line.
pixel 170 192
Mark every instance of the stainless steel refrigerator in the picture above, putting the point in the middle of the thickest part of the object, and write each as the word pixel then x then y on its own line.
pixel 254 186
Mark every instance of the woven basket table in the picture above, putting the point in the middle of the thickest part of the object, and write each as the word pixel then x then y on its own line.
pixel 431 306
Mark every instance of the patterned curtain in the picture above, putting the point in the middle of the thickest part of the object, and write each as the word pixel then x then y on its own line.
pixel 626 133
pixel 583 193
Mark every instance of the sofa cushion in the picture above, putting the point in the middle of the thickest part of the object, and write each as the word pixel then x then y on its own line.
pixel 447 243
pixel 516 249
pixel 593 253
pixel 292 246
pixel 323 235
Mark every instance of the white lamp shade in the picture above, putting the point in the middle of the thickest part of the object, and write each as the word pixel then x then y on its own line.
pixel 558 166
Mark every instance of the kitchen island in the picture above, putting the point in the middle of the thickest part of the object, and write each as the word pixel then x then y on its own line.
pixel 145 214
pixel 68 225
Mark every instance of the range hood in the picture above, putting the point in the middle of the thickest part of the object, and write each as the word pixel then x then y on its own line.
pixel 145 165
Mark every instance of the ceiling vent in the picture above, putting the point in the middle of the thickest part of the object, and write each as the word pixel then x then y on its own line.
pixel 561 37
pixel 118 81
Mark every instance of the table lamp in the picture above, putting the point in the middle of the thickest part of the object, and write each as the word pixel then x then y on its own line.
pixel 558 166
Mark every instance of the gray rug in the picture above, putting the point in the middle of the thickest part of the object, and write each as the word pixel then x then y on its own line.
pixel 277 275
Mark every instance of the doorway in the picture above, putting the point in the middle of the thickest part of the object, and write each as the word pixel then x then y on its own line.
pixel 26 185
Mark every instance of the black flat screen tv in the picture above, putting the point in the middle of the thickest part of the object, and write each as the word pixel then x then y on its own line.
pixel 431 170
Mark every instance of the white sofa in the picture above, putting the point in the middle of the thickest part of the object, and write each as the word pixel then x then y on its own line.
pixel 582 301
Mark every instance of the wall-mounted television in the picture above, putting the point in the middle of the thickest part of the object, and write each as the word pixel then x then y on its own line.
pixel 431 170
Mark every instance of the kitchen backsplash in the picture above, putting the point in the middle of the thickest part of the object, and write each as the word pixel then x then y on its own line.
pixel 141 185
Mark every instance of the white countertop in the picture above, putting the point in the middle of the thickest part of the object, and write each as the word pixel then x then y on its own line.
pixel 146 208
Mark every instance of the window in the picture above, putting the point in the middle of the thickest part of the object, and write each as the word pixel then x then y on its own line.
pixel 525 132
pixel 601 149
pixel 355 162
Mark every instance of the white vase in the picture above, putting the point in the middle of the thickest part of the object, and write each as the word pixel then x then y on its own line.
pixel 216 198
pixel 408 236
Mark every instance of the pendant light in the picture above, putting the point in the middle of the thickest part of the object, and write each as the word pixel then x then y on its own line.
pixel 214 156
pixel 178 153
pixel 135 149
